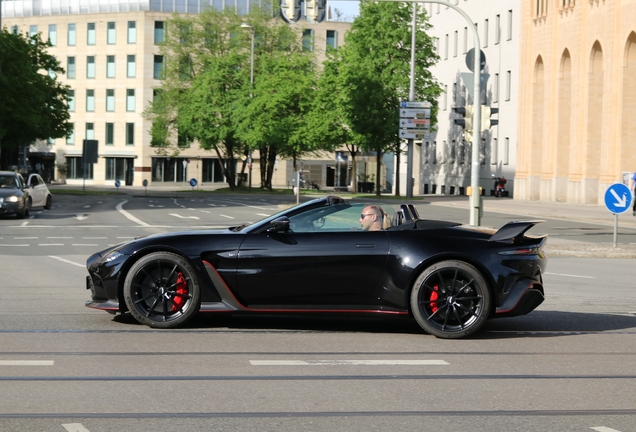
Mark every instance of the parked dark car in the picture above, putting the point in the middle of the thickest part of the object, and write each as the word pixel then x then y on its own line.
pixel 313 258
pixel 14 195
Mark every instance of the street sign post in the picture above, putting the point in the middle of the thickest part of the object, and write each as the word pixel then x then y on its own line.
pixel 413 134
pixel 423 113
pixel 618 197
pixel 415 123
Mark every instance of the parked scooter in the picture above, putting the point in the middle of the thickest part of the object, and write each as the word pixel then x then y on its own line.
pixel 500 187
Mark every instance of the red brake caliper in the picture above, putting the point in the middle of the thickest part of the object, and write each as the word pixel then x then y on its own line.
pixel 434 296
pixel 182 288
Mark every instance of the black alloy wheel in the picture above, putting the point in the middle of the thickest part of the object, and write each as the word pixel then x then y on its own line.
pixel 450 300
pixel 162 290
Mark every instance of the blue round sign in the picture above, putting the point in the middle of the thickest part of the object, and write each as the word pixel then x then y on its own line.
pixel 618 198
pixel 117 183
pixel 193 182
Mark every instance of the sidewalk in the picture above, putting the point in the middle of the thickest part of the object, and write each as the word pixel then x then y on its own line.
pixel 589 213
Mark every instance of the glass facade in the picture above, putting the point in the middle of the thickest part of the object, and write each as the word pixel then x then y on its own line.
pixel 25 8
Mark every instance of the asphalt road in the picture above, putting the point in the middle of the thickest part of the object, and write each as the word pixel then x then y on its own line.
pixel 568 366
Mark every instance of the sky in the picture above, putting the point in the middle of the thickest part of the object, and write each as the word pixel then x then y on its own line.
pixel 348 8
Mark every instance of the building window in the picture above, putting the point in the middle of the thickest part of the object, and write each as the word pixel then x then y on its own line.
pixel 15 29
pixel 159 32
pixel 90 131
pixel 493 152
pixel 77 168
pixel 183 140
pixel 506 151
pixel 71 100
pixel 158 67
pixel 308 40
pixel 53 34
pixel 72 35
pixel 90 34
pixel 509 36
pixel 486 33
pixel 130 99
pixel 132 32
pixel 111 33
pixel 332 40
pixel 116 168
pixel 495 89
pixel 130 66
pixel 452 152
pixel 446 47
pixel 110 100
pixel 130 134
pixel 212 171
pixel 508 84
pixel 110 66
pixel 70 138
pixel 90 100
pixel 455 43
pixel 90 67
pixel 465 47
pixel 70 67
pixel 445 100
pixel 110 134
pixel 497 29
pixel 33 30
pixel 433 154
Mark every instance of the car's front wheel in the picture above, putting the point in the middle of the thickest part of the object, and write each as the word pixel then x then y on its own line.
pixel 49 202
pixel 162 290
pixel 450 300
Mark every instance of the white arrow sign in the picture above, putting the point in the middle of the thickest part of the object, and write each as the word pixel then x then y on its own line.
pixel 410 134
pixel 415 123
pixel 620 202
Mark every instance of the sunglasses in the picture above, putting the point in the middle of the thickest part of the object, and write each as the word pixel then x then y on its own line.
pixel 362 215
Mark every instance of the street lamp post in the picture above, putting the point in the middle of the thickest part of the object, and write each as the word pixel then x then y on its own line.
pixel 251 27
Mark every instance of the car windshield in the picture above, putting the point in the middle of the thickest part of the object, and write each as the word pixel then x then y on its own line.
pixel 8 182
pixel 339 217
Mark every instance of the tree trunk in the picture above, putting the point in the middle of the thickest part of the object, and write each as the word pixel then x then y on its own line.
pixel 378 170
pixel 271 161
pixel 397 171
pixel 263 150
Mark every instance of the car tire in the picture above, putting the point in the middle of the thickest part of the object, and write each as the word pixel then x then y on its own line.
pixel 450 300
pixel 25 210
pixel 49 202
pixel 162 290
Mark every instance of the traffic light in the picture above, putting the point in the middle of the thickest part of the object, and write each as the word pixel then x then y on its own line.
pixel 466 122
pixel 316 10
pixel 486 121
pixel 290 10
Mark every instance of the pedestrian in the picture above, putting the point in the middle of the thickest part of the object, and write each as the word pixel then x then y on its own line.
pixel 632 185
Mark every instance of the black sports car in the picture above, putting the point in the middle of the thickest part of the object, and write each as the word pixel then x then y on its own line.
pixel 315 258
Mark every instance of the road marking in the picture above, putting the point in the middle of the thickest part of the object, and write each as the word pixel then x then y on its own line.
pixel 604 429
pixel 7 245
pixel 94 238
pixel 183 217
pixel 67 261
pixel 51 244
pixel 84 244
pixel 59 237
pixel 570 275
pixel 246 205
pixel 262 214
pixel 81 216
pixel 346 362
pixel 204 211
pixel 121 210
pixel 26 362
pixel 23 238
pixel 23 224
pixel 225 216
pixel 75 427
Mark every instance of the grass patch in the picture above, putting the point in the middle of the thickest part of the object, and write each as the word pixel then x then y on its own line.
pixel 82 192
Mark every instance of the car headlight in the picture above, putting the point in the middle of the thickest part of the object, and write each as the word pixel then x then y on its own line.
pixel 13 199
pixel 112 256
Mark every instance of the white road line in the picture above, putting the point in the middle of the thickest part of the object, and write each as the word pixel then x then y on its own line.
pixel 262 214
pixel 183 217
pixel 26 362
pixel 59 237
pixel 23 224
pixel 246 205
pixel 226 216
pixel 346 362
pixel 51 244
pixel 24 238
pixel 84 244
pixel 604 429
pixel 94 238
pixel 569 275
pixel 75 427
pixel 204 211
pixel 8 245
pixel 121 210
pixel 67 261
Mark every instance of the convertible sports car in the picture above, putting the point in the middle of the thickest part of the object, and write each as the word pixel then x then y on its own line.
pixel 314 258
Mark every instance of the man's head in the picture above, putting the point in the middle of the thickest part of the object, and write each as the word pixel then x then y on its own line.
pixel 371 218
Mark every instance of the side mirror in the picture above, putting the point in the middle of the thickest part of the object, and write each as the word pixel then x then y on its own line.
pixel 279 224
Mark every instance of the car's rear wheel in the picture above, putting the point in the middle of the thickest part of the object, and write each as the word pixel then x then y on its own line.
pixel 162 290
pixel 450 300
pixel 49 202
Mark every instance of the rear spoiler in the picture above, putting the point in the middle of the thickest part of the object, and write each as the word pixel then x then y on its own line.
pixel 513 229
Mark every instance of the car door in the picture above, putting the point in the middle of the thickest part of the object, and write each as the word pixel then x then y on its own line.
pixel 36 190
pixel 328 265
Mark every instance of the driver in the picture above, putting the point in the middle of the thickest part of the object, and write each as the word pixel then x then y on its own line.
pixel 371 218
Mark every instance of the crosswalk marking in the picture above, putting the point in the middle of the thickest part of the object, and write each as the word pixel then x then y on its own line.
pixel 347 362
pixel 26 362
pixel 75 427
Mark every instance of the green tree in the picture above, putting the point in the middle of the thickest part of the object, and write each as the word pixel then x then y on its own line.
pixel 34 103
pixel 374 73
